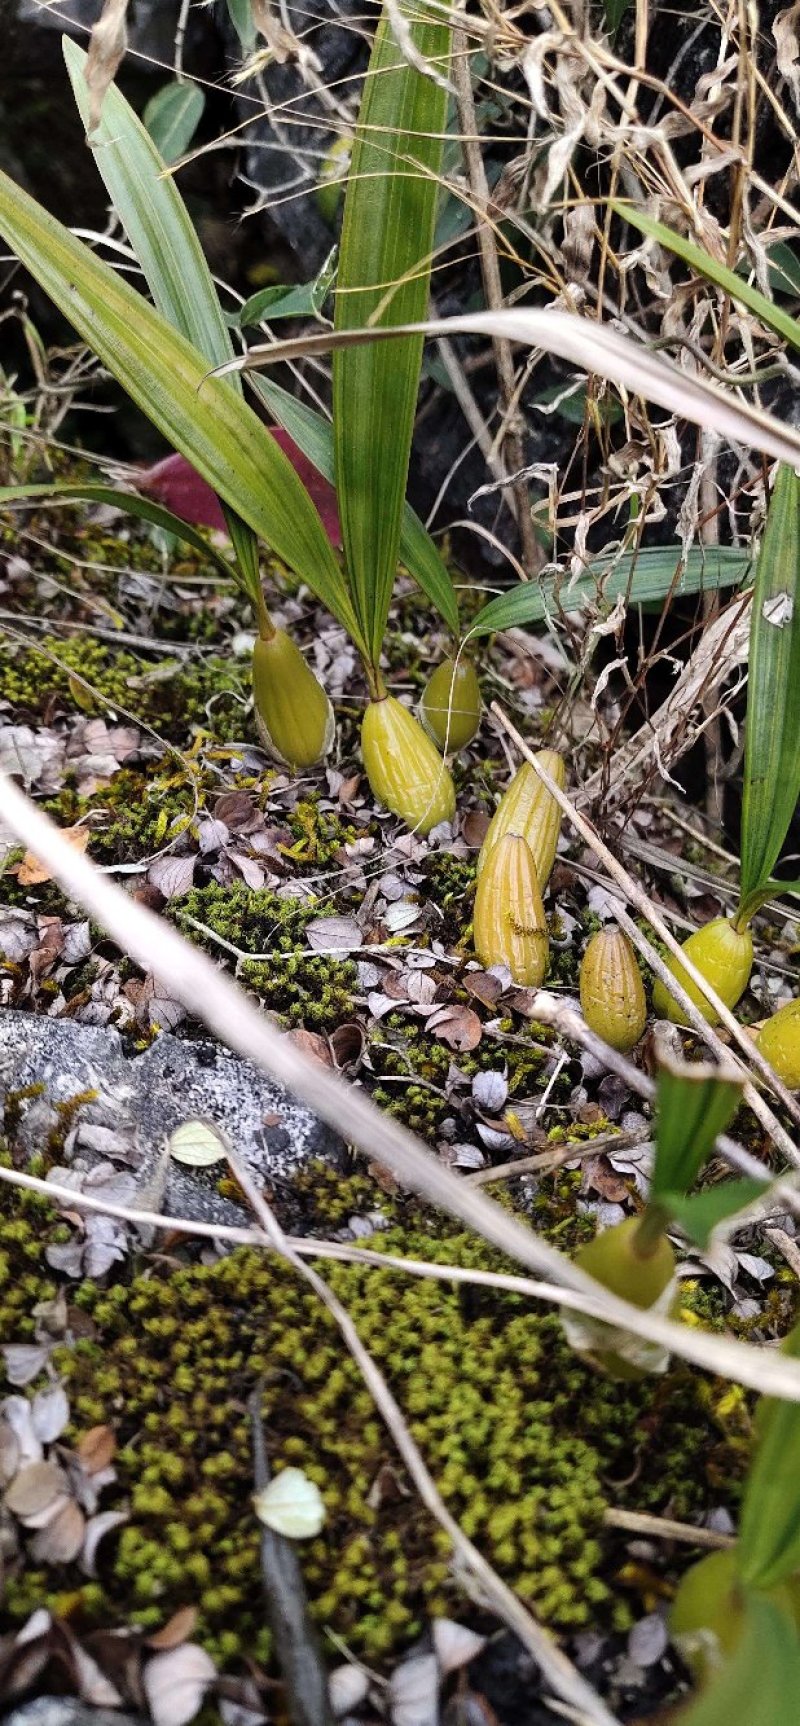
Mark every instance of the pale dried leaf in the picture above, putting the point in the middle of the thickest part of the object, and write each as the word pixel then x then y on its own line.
pixel 16 1412
pixel 458 1027
pixel 171 876
pixel 61 1539
pixel 176 1683
pixel 291 1504
pixel 348 1687
pixel 197 1144
pixel 251 872
pixel 9 1453
pixel 24 1360
pixel 34 1489
pixel 334 935
pixel 50 1413
pixel 454 1645
pixel 489 1092
pixel 107 46
pixel 414 1692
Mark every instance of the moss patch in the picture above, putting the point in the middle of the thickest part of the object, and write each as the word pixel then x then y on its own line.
pixel 303 988
pixel 524 1442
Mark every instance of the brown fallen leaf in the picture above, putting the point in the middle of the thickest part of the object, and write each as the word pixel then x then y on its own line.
pixel 177 1629
pixel 96 1449
pixel 458 1027
pixel 32 873
pixel 311 1043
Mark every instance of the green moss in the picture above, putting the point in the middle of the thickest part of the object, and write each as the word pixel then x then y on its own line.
pixel 170 696
pixel 525 1444
pixel 303 988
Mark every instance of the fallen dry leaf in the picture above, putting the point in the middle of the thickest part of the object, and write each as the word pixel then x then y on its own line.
pixel 458 1027
pixel 96 1449
pixel 32 873
pixel 34 1489
pixel 176 1682
pixel 61 1539
pixel 177 1629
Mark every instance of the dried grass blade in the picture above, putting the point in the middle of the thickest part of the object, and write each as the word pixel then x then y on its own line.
pixel 596 350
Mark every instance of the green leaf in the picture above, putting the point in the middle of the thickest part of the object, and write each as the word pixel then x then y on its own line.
pixel 168 379
pixel 166 245
pixel 771 748
pixel 759 1683
pixel 304 300
pixel 240 13
pixel 615 12
pixel 693 1105
pixel 700 1213
pixel 132 504
pixel 172 117
pixel 314 436
pixel 713 271
pixel 769 1524
pixel 387 239
pixel 783 269
pixel 641 577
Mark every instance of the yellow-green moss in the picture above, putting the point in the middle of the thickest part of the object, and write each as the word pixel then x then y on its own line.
pixel 520 1436
pixel 302 987
pixel 170 696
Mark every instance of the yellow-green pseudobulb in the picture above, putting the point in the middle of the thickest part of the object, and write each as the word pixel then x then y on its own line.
pixel 293 714
pixel 779 1043
pixel 724 956
pixel 611 988
pixel 529 809
pixel 509 925
pixel 451 704
pixel 646 1278
pixel 707 1616
pixel 405 771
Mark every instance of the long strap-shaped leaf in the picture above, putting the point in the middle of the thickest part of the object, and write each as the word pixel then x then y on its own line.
pixel 387 239
pixel 166 245
pixel 772 737
pixel 314 436
pixel 643 578
pixel 168 379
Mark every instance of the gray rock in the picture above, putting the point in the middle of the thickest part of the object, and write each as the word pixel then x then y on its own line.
pixel 141 1099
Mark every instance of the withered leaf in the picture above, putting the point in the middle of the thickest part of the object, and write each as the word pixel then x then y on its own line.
pixel 32 873
pixel 177 1629
pixel 458 1027
pixel 176 1683
pixel 34 1489
pixel 61 1539
pixel 96 1449
pixel 172 876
